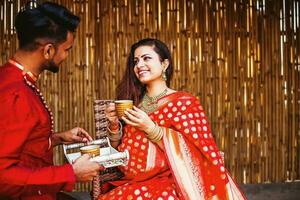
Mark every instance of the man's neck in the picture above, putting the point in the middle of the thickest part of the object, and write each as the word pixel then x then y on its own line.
pixel 29 60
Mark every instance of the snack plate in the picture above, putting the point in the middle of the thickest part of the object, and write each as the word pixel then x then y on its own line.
pixel 109 157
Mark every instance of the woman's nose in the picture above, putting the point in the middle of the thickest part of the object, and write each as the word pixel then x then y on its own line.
pixel 139 63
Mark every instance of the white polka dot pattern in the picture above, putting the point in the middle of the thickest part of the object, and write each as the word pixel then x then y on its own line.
pixel 144 190
pixel 185 116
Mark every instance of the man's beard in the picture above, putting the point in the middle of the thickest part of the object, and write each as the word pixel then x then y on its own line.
pixel 51 66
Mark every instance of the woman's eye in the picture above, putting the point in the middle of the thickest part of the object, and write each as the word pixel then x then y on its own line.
pixel 146 58
pixel 135 62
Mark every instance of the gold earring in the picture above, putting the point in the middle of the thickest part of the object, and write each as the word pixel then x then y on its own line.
pixel 164 75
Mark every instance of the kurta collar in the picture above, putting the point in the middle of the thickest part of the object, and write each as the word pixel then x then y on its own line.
pixel 31 75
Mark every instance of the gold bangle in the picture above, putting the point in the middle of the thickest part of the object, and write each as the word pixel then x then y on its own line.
pixel 156 134
pixel 152 129
pixel 113 131
pixel 120 128
pixel 115 136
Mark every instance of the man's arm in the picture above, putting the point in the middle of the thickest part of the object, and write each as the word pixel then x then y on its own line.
pixel 17 121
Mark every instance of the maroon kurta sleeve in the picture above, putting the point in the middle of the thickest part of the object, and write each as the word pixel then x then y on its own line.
pixel 25 161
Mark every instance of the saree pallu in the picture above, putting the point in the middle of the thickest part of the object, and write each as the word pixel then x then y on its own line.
pixel 188 167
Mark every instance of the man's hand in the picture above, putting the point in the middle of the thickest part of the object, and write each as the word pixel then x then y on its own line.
pixel 85 170
pixel 75 135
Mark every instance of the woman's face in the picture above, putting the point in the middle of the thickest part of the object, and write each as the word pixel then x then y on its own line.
pixel 148 67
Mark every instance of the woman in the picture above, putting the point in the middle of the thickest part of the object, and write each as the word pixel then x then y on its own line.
pixel 172 151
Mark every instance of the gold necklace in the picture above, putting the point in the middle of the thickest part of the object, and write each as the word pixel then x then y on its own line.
pixel 149 104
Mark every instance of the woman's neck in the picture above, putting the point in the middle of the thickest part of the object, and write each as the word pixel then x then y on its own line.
pixel 156 89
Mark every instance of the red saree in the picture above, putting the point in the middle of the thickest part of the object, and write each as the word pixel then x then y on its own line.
pixel 189 167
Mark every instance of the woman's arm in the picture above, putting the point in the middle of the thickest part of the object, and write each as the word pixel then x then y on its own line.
pixel 114 128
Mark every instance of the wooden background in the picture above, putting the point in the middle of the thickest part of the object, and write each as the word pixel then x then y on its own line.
pixel 241 57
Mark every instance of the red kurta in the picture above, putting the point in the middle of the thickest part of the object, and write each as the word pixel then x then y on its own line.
pixel 26 163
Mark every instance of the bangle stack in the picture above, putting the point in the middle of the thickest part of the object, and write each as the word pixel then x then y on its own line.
pixel 155 134
pixel 115 136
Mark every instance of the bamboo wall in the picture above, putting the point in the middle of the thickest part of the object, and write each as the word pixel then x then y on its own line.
pixel 242 58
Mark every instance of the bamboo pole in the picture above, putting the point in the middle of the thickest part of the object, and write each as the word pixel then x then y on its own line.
pixel 241 58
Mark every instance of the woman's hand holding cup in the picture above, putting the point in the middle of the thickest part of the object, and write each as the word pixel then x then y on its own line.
pixel 115 111
pixel 112 117
pixel 138 118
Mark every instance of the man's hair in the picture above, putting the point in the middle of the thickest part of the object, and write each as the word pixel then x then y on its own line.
pixel 48 22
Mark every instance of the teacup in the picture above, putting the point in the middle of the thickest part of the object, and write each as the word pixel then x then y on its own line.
pixel 92 150
pixel 122 105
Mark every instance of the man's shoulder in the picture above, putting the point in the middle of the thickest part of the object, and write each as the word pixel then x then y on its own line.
pixel 12 83
pixel 6 67
pixel 10 77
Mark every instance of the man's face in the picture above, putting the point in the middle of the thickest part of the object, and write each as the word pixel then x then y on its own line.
pixel 61 53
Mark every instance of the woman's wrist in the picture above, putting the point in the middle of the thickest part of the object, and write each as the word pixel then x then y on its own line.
pixel 114 127
pixel 154 133
pixel 115 135
pixel 150 129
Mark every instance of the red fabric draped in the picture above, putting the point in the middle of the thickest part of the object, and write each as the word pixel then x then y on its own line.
pixel 189 166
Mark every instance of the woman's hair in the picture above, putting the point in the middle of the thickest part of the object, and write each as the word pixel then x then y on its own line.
pixel 130 87
pixel 48 21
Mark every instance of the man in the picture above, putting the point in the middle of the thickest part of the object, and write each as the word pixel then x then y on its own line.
pixel 46 35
